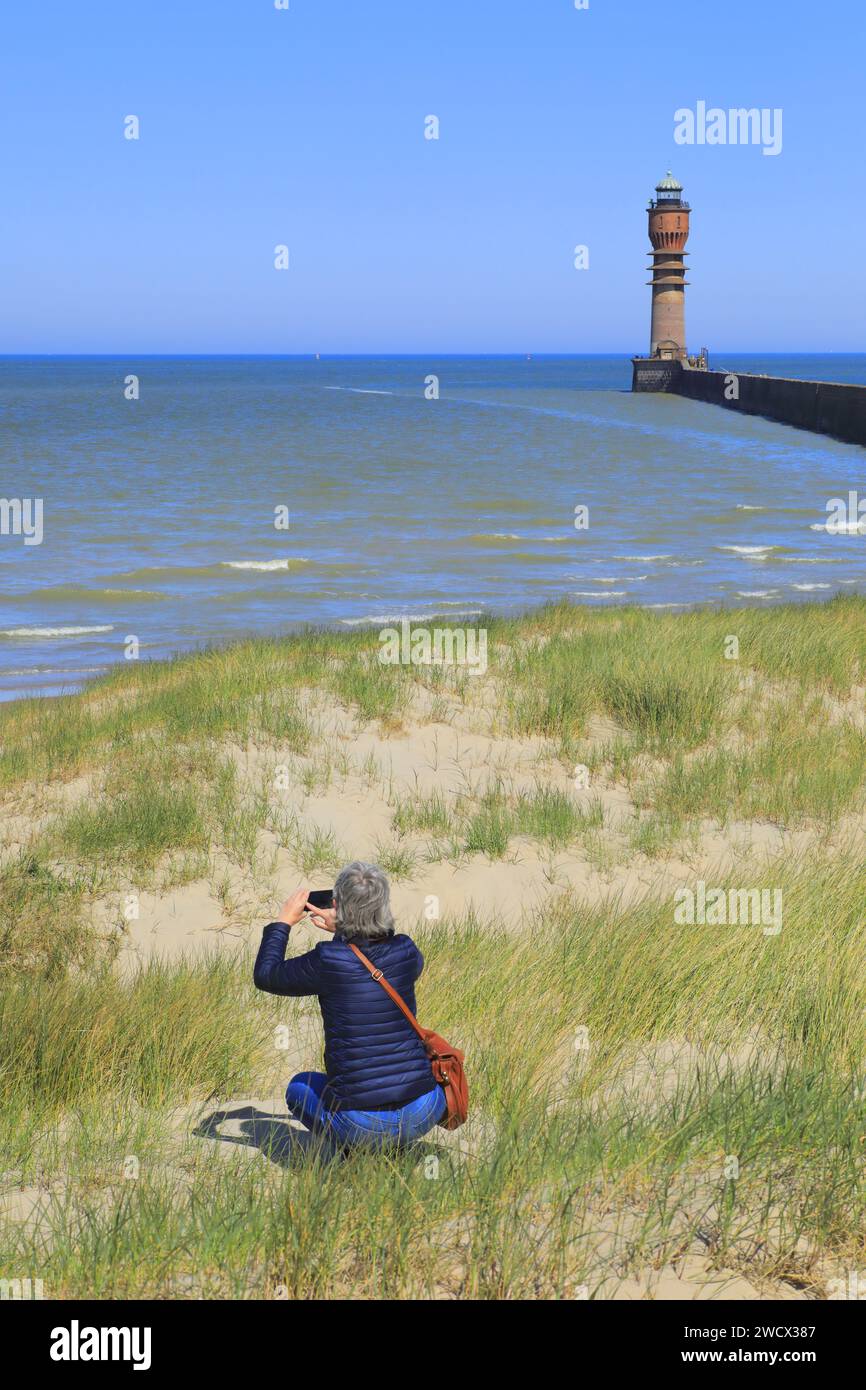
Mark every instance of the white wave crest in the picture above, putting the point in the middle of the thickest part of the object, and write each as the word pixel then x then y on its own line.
pixel 748 549
pixel 643 559
pixel 841 528
pixel 264 564
pixel 360 390
pixel 54 631
pixel 385 619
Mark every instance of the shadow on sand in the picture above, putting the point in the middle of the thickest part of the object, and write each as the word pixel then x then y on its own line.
pixel 279 1140
pixel 282 1142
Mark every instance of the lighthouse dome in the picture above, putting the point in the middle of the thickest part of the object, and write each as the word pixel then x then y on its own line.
pixel 669 184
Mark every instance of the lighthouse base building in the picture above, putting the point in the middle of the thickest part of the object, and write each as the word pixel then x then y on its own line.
pixel 668 226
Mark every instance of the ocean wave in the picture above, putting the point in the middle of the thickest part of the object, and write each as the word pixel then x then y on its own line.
pixel 67 672
pixel 143 594
pixel 361 390
pixel 55 631
pixel 643 559
pixel 813 560
pixel 78 593
pixel 172 574
pixel 485 537
pixel 265 564
pixel 591 593
pixel 617 579
pixel 756 593
pixel 605 579
pixel 748 507
pixel 844 528
pixel 748 549
pixel 386 619
pixel 805 588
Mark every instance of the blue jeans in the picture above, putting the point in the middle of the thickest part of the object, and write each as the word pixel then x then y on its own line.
pixel 367 1128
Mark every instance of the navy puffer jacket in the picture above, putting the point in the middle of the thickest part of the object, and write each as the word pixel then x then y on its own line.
pixel 374 1059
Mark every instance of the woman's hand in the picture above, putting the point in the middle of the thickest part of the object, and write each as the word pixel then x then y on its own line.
pixel 324 917
pixel 294 907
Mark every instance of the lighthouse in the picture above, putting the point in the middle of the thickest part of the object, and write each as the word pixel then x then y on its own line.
pixel 668 227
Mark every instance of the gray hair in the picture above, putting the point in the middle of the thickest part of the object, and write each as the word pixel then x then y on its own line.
pixel 362 897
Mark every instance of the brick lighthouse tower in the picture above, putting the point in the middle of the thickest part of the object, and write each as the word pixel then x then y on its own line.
pixel 668 226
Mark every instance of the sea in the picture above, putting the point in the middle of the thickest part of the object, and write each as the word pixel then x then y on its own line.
pixel 185 502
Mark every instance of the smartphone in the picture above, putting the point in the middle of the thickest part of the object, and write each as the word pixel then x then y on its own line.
pixel 321 897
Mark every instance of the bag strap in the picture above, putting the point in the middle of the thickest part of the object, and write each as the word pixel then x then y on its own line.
pixel 389 989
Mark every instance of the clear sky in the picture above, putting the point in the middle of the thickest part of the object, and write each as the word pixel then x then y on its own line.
pixel 305 127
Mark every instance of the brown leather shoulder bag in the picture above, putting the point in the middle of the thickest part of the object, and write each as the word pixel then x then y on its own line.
pixel 446 1061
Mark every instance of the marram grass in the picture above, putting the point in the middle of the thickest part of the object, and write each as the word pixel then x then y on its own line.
pixel 577 1127
pixel 619 1060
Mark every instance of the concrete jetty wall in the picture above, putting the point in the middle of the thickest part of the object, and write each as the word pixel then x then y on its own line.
pixel 827 407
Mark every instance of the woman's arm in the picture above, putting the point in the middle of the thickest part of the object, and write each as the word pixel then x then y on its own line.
pixel 276 975
pixel 272 972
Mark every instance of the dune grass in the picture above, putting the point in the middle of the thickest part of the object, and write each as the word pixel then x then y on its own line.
pixel 168 1033
pixel 138 825
pixel 486 823
pixel 665 679
pixel 579 1136
pixel 775 735
pixel 554 817
pixel 588 1156
pixel 789 777
pixel 548 815
pixel 43 924
pixel 376 691
pixel 430 815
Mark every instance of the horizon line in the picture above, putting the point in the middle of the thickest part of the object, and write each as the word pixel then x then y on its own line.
pixel 625 355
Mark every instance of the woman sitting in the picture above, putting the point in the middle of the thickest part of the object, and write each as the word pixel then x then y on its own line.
pixel 377 1088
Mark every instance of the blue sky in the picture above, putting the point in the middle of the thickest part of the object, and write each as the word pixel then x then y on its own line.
pixel 306 127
